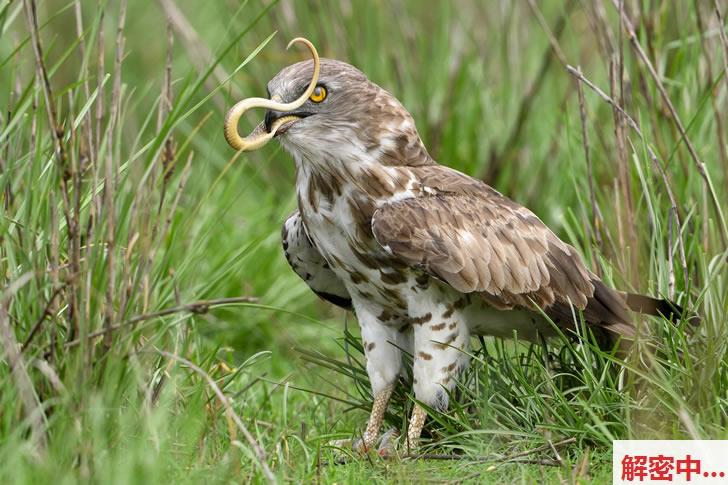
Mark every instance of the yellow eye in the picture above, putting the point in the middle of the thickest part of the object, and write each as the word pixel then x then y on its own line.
pixel 319 94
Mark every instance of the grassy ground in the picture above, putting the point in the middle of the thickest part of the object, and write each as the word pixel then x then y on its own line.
pixel 140 266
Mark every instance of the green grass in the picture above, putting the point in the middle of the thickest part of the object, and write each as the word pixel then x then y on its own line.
pixel 183 219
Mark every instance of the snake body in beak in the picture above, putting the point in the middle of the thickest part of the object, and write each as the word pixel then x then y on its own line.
pixel 276 118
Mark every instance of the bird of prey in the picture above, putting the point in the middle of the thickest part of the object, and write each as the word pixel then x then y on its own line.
pixel 426 256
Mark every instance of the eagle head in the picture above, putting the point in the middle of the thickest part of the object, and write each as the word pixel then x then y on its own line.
pixel 328 111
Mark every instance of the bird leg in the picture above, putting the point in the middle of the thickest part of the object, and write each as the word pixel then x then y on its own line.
pixel 417 422
pixel 369 440
pixel 384 362
pixel 379 407
pixel 440 353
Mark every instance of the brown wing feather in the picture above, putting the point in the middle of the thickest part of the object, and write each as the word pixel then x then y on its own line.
pixel 479 244
pixel 479 241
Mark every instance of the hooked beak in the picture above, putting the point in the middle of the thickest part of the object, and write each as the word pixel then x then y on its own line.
pixel 280 121
pixel 278 117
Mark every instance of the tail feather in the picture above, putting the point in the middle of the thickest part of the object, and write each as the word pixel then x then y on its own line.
pixel 658 307
pixel 607 312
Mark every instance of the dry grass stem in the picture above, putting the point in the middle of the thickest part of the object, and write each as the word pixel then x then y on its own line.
pixel 23 383
pixel 699 165
pixel 257 449
pixel 655 160
pixel 201 306
pixel 197 49
pixel 596 214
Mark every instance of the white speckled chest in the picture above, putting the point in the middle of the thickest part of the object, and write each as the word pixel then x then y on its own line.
pixel 339 224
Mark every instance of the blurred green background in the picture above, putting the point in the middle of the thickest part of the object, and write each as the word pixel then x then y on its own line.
pixel 488 88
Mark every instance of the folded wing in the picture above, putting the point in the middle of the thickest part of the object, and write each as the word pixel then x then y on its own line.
pixel 307 262
pixel 478 241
